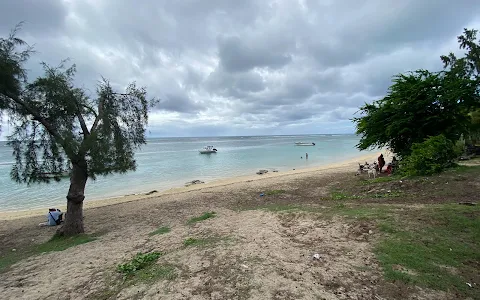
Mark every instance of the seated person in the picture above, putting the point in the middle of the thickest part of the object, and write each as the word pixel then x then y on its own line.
pixel 54 217
pixel 389 168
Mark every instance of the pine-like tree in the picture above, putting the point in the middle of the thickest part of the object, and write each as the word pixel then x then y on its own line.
pixel 59 130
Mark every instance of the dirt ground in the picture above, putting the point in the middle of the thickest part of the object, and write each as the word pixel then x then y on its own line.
pixel 248 253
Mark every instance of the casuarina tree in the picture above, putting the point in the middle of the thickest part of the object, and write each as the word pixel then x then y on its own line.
pixel 58 129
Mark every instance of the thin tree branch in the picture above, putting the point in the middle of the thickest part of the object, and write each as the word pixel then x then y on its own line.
pixel 39 118
pixel 82 124
pixel 98 117
pixel 90 109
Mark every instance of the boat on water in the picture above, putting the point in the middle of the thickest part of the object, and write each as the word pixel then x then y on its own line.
pixel 208 150
pixel 304 144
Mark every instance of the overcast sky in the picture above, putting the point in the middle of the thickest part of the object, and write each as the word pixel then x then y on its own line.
pixel 244 67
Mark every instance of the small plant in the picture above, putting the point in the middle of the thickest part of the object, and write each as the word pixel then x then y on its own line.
pixel 161 230
pixel 138 262
pixel 274 192
pixel 206 215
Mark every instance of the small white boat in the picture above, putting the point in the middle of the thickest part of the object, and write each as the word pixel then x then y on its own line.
pixel 304 144
pixel 208 150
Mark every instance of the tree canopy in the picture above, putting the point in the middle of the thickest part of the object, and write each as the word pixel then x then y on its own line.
pixel 59 128
pixel 422 104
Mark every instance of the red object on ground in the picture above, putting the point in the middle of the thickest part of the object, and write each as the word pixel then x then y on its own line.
pixel 389 169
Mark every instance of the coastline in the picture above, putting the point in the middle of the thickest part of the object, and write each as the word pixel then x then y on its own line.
pixel 350 163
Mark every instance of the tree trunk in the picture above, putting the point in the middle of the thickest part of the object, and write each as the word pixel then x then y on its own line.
pixel 76 194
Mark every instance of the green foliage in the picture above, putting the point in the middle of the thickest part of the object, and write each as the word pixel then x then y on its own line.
pixel 56 243
pixel 205 216
pixel 432 156
pixel 469 65
pixel 161 230
pixel 475 129
pixel 138 262
pixel 422 103
pixel 13 53
pixel 418 105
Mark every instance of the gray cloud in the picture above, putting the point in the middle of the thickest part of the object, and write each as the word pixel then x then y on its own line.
pixel 243 67
pixel 236 56
pixel 40 17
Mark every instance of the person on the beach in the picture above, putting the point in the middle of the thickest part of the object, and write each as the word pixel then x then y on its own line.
pixel 389 169
pixel 381 162
pixel 54 217
pixel 306 155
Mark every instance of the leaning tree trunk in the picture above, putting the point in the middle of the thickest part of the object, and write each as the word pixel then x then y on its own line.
pixel 74 216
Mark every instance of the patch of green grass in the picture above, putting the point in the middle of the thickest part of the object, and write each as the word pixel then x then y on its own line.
pixel 138 262
pixel 156 272
pixel 336 195
pixel 392 194
pixel 161 230
pixel 202 242
pixel 56 243
pixel 198 242
pixel 205 216
pixel 436 247
pixel 441 252
pixel 463 169
pixel 363 212
pixel 381 179
pixel 274 192
pixel 387 227
pixel 286 208
pixel 59 243
pixel 339 195
pixel 194 242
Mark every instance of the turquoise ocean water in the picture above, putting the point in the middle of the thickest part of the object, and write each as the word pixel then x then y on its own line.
pixel 170 162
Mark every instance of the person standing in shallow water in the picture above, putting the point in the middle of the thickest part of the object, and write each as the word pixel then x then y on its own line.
pixel 306 155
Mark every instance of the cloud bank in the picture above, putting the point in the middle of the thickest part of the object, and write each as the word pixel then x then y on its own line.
pixel 243 67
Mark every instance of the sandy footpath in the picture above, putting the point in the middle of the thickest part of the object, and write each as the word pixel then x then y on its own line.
pixel 233 182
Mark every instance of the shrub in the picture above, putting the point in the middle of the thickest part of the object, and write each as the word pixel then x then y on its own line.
pixel 432 156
